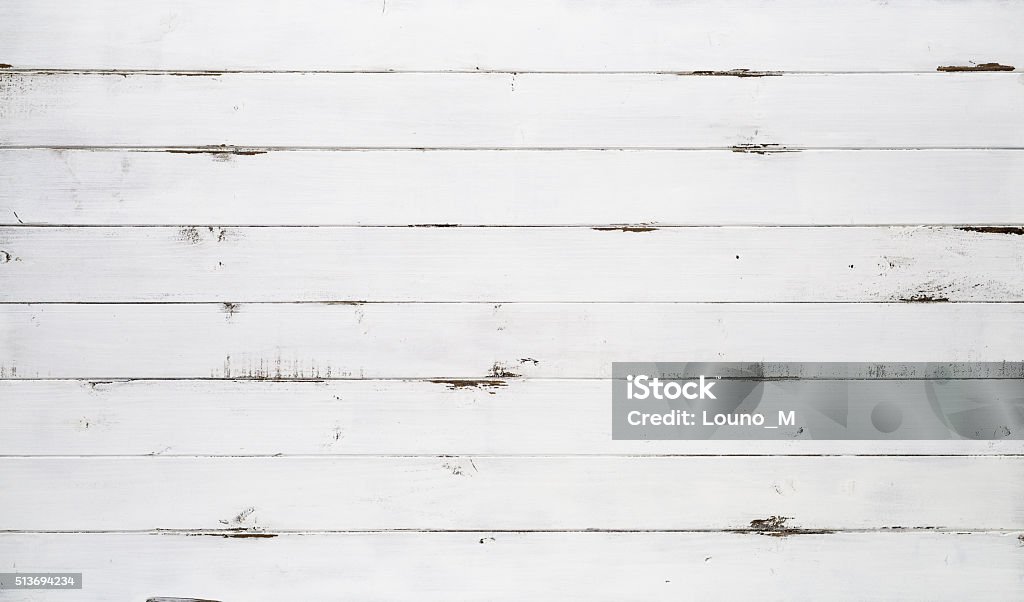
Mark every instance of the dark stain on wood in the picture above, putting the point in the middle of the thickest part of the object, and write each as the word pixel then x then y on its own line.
pixel 230 308
pixel 220 151
pixel 4 256
pixel 487 384
pixel 624 228
pixel 499 370
pixel 734 73
pixel 978 67
pixel 433 225
pixel 1015 230
pixel 775 526
pixel 762 149
pixel 924 298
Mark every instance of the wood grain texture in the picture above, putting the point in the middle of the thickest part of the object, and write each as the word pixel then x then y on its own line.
pixel 521 188
pixel 437 341
pixel 508 35
pixel 866 264
pixel 512 417
pixel 495 493
pixel 485 110
pixel 538 566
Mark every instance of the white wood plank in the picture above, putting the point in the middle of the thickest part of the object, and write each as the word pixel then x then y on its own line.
pixel 499 493
pixel 517 36
pixel 481 340
pixel 511 110
pixel 511 188
pixel 495 417
pixel 863 264
pixel 534 566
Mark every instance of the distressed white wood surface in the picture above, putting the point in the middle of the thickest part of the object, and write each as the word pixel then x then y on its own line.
pixel 537 566
pixel 508 110
pixel 523 493
pixel 97 187
pixel 736 264
pixel 509 35
pixel 459 340
pixel 375 417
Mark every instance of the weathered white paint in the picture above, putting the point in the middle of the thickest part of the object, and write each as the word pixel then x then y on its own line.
pixel 513 35
pixel 535 566
pixel 520 188
pixel 459 340
pixel 374 417
pixel 524 493
pixel 735 264
pixel 397 454
pixel 507 110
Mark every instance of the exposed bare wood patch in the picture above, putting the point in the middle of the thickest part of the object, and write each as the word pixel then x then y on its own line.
pixel 500 370
pixel 484 383
pixel 1017 230
pixel 762 149
pixel 220 152
pixel 625 228
pixel 235 534
pixel 977 67
pixel 775 526
pixel 735 73
pixel 924 298
pixel 5 66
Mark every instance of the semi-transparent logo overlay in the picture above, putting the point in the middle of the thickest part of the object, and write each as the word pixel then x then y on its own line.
pixel 808 400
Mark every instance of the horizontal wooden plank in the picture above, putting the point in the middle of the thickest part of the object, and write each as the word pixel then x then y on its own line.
pixel 862 264
pixel 523 188
pixel 492 417
pixel 535 566
pixel 511 110
pixel 463 492
pixel 285 341
pixel 517 36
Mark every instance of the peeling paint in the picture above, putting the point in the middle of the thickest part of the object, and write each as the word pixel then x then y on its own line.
pixel 775 526
pixel 1015 230
pixel 923 298
pixel 734 73
pixel 978 67
pixel 625 228
pixel 762 149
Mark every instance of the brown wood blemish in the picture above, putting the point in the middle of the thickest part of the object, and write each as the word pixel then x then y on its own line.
pixel 345 302
pixel 220 152
pixel 923 298
pixel 6 66
pixel 775 526
pixel 230 308
pixel 1014 230
pixel 762 149
pixel 487 384
pixel 433 226
pixel 625 228
pixel 499 370
pixel 734 73
pixel 977 67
